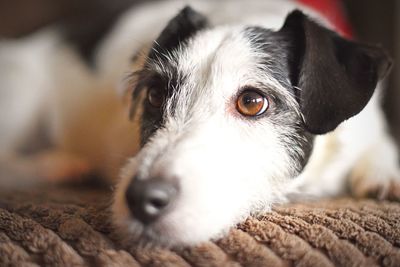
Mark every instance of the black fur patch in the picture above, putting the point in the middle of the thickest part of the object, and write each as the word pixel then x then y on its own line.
pixel 177 32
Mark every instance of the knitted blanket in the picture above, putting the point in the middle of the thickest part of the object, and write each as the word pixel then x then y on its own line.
pixel 71 227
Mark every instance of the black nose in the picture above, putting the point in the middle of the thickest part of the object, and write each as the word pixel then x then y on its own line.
pixel 148 199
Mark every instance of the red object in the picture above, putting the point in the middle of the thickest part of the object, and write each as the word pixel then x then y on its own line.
pixel 333 11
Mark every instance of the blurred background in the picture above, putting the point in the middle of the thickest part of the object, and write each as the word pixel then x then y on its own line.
pixel 372 21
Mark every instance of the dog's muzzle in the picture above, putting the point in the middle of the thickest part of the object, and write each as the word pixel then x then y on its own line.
pixel 151 198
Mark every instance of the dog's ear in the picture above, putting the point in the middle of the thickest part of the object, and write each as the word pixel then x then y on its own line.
pixel 335 77
pixel 178 30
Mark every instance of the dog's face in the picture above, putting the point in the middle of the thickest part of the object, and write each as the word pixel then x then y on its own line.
pixel 228 116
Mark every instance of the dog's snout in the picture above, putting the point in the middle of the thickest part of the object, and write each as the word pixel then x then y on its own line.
pixel 148 199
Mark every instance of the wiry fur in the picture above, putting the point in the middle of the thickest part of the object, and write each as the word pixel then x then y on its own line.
pixel 227 166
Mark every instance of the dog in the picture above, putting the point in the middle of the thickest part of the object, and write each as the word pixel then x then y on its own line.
pixel 232 109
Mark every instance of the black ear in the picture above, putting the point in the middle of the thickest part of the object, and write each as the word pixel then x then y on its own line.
pixel 179 29
pixel 335 77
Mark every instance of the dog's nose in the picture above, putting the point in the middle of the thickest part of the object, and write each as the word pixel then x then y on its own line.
pixel 148 199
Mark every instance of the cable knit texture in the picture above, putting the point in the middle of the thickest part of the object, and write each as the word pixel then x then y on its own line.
pixel 71 227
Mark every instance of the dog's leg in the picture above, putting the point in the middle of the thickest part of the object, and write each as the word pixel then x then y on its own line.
pixel 46 87
pixel 376 171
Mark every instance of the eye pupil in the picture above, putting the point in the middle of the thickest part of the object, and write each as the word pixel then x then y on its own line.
pixel 155 97
pixel 251 103
pixel 251 100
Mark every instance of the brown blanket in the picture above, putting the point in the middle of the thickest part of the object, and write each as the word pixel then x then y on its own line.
pixel 71 227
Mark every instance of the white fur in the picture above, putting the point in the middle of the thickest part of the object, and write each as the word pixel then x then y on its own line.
pixel 207 149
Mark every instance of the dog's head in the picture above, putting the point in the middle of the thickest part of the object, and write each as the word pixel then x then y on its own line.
pixel 228 116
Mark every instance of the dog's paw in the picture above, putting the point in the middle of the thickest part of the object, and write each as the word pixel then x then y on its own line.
pixel 375 179
pixel 362 186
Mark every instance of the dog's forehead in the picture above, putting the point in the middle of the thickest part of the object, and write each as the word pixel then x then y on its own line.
pixel 222 51
pixel 225 57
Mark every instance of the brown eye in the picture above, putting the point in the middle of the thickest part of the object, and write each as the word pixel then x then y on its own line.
pixel 155 97
pixel 251 103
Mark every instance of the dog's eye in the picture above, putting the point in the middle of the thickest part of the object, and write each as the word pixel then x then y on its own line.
pixel 251 103
pixel 155 97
